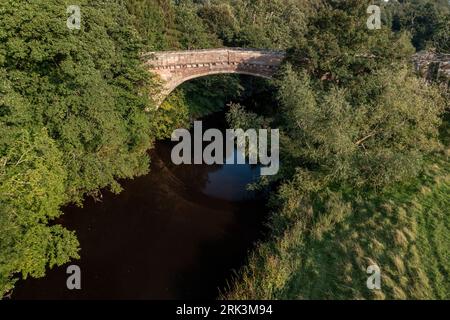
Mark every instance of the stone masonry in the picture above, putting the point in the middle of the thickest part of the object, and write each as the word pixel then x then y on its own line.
pixel 176 67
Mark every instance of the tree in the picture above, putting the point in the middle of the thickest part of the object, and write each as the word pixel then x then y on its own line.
pixel 441 38
pixel 352 108
pixel 424 19
pixel 72 120
pixel 32 189
pixel 154 20
pixel 87 87
pixel 265 24
pixel 192 31
pixel 361 143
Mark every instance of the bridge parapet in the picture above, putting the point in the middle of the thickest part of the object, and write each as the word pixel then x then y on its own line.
pixel 223 55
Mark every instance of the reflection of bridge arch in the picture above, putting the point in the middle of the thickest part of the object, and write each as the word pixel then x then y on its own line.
pixel 177 67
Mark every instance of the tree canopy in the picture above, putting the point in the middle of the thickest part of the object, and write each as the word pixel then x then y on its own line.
pixel 72 121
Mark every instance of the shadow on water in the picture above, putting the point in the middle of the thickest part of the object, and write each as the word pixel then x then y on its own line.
pixel 176 233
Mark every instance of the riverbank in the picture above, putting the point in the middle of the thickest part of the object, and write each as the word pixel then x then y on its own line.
pixel 177 233
pixel 405 231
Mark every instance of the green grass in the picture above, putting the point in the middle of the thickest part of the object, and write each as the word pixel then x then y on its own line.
pixel 405 231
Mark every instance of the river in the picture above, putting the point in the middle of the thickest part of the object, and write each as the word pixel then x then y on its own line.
pixel 179 232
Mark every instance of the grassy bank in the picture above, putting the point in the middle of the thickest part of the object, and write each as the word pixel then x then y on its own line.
pixel 405 231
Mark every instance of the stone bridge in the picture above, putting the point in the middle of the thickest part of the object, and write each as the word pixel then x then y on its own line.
pixel 177 67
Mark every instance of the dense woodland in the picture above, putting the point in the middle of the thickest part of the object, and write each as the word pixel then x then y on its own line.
pixel 364 140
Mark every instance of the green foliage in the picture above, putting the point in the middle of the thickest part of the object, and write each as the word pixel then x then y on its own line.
pixel 426 20
pixel 32 188
pixel 210 94
pixel 238 117
pixel 351 109
pixel 339 48
pixel 88 89
pixel 82 85
pixel 192 30
pixel 171 115
pixel 259 24
pixel 220 19
pixel 153 20
pixel 441 38
pixel 364 143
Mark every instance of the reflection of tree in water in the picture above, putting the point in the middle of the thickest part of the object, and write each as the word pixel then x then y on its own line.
pixel 196 176
pixel 192 175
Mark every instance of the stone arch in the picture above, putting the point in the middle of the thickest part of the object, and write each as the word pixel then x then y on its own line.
pixel 177 67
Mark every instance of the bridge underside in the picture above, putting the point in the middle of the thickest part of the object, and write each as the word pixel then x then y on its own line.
pixel 173 78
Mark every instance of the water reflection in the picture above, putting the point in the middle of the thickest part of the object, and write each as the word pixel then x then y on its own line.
pixel 231 181
pixel 175 233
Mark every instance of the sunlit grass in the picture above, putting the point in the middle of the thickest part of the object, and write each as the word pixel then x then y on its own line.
pixel 405 231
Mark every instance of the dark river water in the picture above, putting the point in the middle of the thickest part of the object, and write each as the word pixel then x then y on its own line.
pixel 177 233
